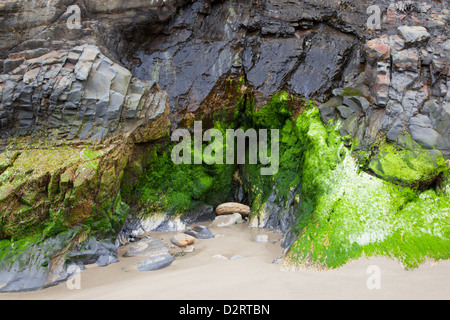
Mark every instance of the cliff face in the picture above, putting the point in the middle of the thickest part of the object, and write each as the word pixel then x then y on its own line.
pixel 99 90
pixel 310 48
pixel 191 48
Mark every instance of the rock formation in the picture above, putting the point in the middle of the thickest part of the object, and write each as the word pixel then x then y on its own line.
pixel 89 91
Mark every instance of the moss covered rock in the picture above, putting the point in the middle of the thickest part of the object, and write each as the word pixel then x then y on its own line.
pixel 348 213
pixel 51 189
pixel 408 167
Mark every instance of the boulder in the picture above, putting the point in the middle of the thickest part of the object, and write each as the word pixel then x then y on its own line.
pixel 427 137
pixel 47 263
pixel 105 260
pixel 148 247
pixel 135 227
pixel 200 232
pixel 233 207
pixel 227 220
pixel 155 263
pixel 183 240
pixel 36 265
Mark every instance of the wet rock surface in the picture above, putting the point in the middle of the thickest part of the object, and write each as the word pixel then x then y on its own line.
pixel 155 263
pixel 272 53
pixel 147 247
pixel 403 86
pixel 102 253
pixel 132 62
pixel 183 240
pixel 49 262
pixel 155 252
pixel 77 94
pixel 200 232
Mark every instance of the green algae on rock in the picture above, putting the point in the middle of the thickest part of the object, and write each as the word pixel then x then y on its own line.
pixel 352 213
pixel 54 188
pixel 340 212
pixel 411 166
pixel 176 189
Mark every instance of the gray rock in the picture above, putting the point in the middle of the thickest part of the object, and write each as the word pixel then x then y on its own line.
pixel 37 266
pixel 395 131
pixel 200 232
pixel 350 126
pixel 84 65
pixel 155 263
pixel 428 137
pixel 121 81
pixel 83 101
pixel 105 260
pixel 421 121
pixel 147 247
pixel 362 104
pixel 413 34
pixel 276 215
pixel 401 82
pixel 345 111
pixel 101 252
pixel 353 104
pixel 327 113
pixel 11 64
pixel 201 213
pixel 396 43
pixel 309 79
pixel 227 220
pixel 382 83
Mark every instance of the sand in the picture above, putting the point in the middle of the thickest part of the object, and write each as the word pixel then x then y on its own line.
pixel 209 274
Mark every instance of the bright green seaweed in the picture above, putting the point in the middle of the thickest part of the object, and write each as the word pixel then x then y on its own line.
pixel 409 166
pixel 344 212
pixel 176 189
pixel 352 213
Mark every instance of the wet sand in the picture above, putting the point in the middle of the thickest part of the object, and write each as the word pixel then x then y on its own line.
pixel 201 276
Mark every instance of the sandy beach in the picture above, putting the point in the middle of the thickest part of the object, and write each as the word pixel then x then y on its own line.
pixel 208 273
